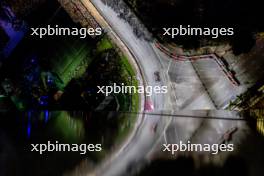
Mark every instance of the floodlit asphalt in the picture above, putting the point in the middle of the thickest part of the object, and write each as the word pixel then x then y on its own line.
pixel 190 88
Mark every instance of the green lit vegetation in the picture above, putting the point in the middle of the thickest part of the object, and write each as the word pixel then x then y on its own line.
pixel 71 59
pixel 68 129
pixel 82 65
pixel 127 102
pixel 104 44
pixel 129 120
